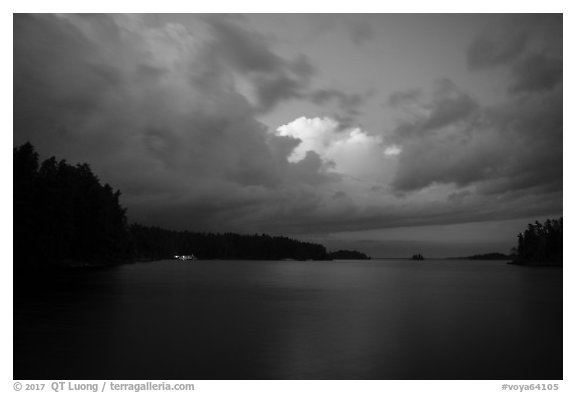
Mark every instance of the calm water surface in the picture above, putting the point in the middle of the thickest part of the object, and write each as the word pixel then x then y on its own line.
pixel 392 319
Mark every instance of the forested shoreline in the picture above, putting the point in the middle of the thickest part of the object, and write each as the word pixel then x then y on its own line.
pixel 64 215
pixel 158 243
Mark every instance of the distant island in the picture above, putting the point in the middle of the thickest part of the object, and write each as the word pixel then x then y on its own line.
pixel 64 216
pixel 492 256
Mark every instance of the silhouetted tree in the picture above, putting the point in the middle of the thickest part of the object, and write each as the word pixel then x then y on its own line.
pixel 540 244
pixel 63 213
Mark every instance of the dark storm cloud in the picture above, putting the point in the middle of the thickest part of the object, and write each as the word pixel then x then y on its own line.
pixel 448 105
pixel 360 32
pixel 404 97
pixel 246 50
pixel 531 45
pixel 501 149
pixel 487 52
pixel 515 37
pixel 348 103
pixel 438 145
pixel 458 197
pixel 59 82
pixel 345 122
pixel 358 28
pixel 533 127
pixel 498 149
pixel 536 72
pixel 275 79
pixel 417 214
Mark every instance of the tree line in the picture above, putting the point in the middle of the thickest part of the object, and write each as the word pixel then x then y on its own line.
pixel 63 214
pixel 158 243
pixel 540 244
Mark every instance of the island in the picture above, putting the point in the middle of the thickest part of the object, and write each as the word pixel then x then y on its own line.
pixel 347 254
pixel 491 256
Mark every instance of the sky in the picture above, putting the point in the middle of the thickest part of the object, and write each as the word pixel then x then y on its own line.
pixel 388 133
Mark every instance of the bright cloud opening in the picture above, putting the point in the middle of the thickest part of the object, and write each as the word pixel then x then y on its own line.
pixel 392 150
pixel 350 151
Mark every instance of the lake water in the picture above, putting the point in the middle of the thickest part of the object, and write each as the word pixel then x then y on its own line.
pixel 381 319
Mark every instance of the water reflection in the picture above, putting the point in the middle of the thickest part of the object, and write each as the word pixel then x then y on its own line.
pixel 293 320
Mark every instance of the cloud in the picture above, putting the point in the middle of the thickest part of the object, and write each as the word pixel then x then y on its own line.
pixel 349 152
pixel 361 32
pixel 156 111
pixel 509 147
pixel 486 52
pixel 359 29
pixel 529 46
pixel 392 150
pixel 331 218
pixel 494 150
pixel 273 78
pixel 536 73
pixel 446 104
pixel 316 134
pixel 459 197
pixel 348 103
pixel 404 97
pixel 449 157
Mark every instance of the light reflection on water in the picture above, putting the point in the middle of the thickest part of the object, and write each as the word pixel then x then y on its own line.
pixel 393 319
